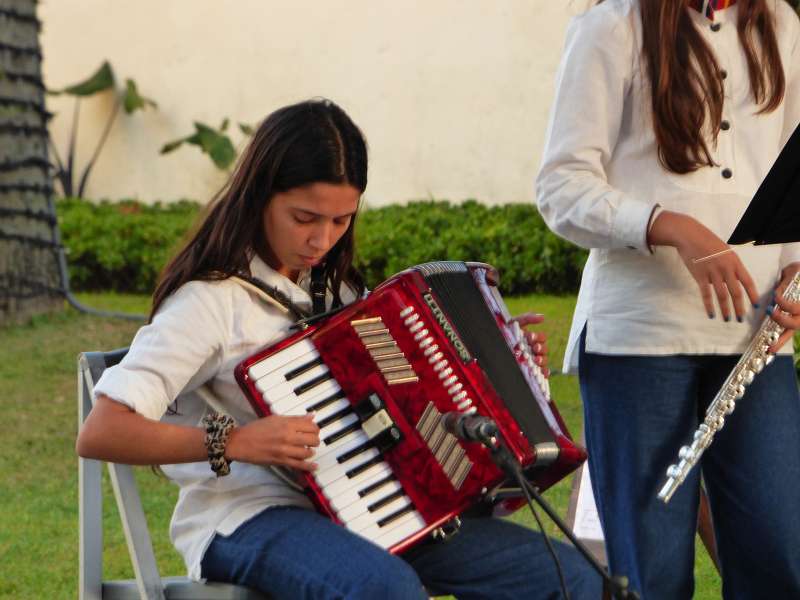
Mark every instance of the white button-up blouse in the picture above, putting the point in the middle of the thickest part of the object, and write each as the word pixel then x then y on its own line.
pixel 600 180
pixel 198 336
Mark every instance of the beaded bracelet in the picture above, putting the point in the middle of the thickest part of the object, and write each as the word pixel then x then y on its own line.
pixel 218 428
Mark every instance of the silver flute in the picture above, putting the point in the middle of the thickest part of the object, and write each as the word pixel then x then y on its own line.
pixel 754 359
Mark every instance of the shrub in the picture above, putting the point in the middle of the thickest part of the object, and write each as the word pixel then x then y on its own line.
pixel 123 246
pixel 512 237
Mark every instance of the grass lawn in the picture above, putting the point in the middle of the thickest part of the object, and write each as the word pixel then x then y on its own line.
pixel 39 499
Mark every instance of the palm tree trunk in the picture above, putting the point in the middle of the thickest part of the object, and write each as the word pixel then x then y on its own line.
pixel 30 280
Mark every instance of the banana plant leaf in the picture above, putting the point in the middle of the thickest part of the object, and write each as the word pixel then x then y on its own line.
pixel 211 141
pixel 101 80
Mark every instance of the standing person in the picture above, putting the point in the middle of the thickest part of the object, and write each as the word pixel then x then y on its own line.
pixel 290 205
pixel 667 116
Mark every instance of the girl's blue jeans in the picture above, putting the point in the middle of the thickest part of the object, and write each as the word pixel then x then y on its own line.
pixel 639 410
pixel 296 553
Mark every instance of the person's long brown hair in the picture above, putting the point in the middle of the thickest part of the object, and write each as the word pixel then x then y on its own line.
pixel 686 82
pixel 310 142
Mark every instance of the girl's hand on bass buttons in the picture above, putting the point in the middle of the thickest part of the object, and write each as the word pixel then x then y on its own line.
pixel 536 340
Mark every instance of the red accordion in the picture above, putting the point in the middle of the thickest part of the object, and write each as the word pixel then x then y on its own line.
pixel 381 373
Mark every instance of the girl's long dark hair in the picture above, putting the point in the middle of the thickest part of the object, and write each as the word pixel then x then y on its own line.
pixel 298 145
pixel 686 82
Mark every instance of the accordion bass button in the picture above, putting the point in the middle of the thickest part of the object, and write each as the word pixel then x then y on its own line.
pixel 416 326
pixel 450 380
pixel 436 357
pixel 411 320
pixel 440 365
pixel 454 389
pixel 431 349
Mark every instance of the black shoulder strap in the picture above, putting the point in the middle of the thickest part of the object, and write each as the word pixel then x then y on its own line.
pixel 296 311
pixel 318 290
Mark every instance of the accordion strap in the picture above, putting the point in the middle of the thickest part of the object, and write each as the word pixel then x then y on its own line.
pixel 318 290
pixel 271 295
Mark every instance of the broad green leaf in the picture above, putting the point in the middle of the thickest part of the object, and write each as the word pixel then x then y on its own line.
pixel 101 80
pixel 205 136
pixel 217 145
pixel 224 125
pixel 211 141
pixel 223 153
pixel 132 100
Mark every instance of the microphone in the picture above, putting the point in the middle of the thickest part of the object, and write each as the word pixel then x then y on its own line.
pixel 470 428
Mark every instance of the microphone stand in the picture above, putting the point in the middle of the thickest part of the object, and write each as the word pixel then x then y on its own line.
pixel 617 586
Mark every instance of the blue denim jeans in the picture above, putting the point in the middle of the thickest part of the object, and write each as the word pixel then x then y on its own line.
pixel 296 553
pixel 639 410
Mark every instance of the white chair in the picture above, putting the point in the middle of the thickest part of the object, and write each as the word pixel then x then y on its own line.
pixel 148 583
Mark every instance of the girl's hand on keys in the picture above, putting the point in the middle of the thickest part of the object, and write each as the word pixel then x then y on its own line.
pixel 275 440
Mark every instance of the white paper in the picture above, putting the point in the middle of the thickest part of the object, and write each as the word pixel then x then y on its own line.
pixel 587 521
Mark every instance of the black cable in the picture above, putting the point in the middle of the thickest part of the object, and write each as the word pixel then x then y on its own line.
pixel 523 484
pixel 61 258
pixel 618 585
pixel 502 457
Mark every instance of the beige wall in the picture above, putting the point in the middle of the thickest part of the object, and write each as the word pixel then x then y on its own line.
pixel 452 95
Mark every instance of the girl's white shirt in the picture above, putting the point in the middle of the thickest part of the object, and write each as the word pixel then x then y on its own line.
pixel 600 180
pixel 199 335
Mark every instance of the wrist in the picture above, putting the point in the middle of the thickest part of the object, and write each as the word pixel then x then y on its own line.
pixel 668 229
pixel 234 445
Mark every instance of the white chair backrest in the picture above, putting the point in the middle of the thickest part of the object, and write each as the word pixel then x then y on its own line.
pixel 148 583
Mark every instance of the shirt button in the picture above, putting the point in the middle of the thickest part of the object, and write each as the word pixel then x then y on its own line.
pixel 725 125
pixel 716 26
pixel 727 173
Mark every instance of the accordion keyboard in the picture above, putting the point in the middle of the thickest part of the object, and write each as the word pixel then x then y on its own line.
pixel 351 473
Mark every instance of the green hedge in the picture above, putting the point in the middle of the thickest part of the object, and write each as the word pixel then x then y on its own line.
pixel 512 237
pixel 122 246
